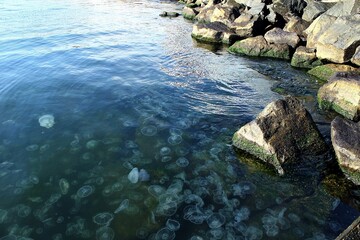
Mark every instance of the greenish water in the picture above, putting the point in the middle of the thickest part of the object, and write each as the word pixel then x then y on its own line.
pixel 129 89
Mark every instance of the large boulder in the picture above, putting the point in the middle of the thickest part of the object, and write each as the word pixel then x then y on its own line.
pixel 247 25
pixel 289 6
pixel 305 58
pixel 296 25
pixel 345 8
pixel 254 7
pixel 315 9
pixel 356 58
pixel 324 72
pixel 259 47
pixel 214 32
pixel 342 94
pixel 340 40
pixel 279 36
pixel 317 28
pixel 281 134
pixel 189 13
pixel 345 137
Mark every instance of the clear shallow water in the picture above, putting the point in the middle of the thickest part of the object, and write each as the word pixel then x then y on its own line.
pixel 130 89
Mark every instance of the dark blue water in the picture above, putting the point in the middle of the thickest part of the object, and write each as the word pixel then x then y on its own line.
pixel 128 89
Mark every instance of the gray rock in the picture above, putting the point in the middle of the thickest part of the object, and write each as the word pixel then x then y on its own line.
pixel 345 137
pixel 296 25
pixel 247 25
pixel 282 133
pixel 317 28
pixel 283 7
pixel 340 40
pixel 341 94
pixel 214 32
pixel 189 13
pixel 344 8
pixel 356 58
pixel 259 47
pixel 324 72
pixel 315 9
pixel 279 36
pixel 305 58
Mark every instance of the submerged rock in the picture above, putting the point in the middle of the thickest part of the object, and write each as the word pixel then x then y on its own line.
pixel 345 136
pixel 282 133
pixel 341 94
pixel 324 72
pixel 305 58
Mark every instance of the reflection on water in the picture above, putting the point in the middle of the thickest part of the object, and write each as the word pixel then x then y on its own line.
pixel 114 126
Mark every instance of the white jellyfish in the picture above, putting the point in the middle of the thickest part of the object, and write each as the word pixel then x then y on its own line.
pixel 175 139
pixel 142 233
pixel 164 234
pixel 47 121
pixel 156 190
pixel 164 151
pixel 149 131
pixel 133 176
pixel 215 220
pixel 64 186
pixel 85 191
pixel 144 175
pixel 105 233
pixel 172 225
pixel 103 218
pixel 32 148
pixel 182 162
pixel 123 205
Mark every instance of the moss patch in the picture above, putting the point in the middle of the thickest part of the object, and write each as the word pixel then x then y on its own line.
pixel 322 72
pixel 327 105
pixel 352 175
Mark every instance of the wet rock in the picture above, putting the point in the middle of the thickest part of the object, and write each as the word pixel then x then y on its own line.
pixel 258 46
pixel 281 134
pixel 324 72
pixel 248 25
pixel 356 58
pixel 305 58
pixel 214 32
pixel 279 36
pixel 341 94
pixel 169 14
pixel 315 9
pixel 317 28
pixel 189 13
pixel 289 6
pixel 345 136
pixel 296 25
pixel 339 42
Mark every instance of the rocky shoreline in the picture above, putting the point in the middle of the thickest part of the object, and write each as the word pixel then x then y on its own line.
pixel 322 36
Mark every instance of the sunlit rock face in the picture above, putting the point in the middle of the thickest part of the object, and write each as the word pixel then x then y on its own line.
pixel 47 121
pixel 281 134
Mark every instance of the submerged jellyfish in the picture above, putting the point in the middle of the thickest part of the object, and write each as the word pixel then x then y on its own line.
pixel 32 148
pixel 85 191
pixel 91 144
pixel 172 225
pixel 103 218
pixel 156 190
pixel 144 175
pixel 215 220
pixel 47 121
pixel 105 233
pixel 3 215
pixel 165 151
pixel 164 234
pixel 175 139
pixel 133 176
pixel 23 210
pixel 123 205
pixel 142 233
pixel 166 159
pixel 242 214
pixel 182 162
pixel 64 186
pixel 149 131
pixel 168 208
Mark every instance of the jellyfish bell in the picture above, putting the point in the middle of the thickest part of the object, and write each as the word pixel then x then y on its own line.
pixel 123 205
pixel 103 218
pixel 174 139
pixel 182 162
pixel 85 191
pixel 91 144
pixel 144 176
pixel 105 233
pixel 215 220
pixel 133 176
pixel 64 186
pixel 164 234
pixel 172 225
pixel 47 121
pixel 149 130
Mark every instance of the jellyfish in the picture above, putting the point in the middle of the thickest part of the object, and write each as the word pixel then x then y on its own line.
pixel 107 191
pixel 91 144
pixel 172 225
pixel 32 148
pixel 242 214
pixel 133 176
pixel 243 189
pixel 164 151
pixel 144 175
pixel 175 131
pixel 3 215
pixel 64 186
pixel 164 234
pixel 105 233
pixel 215 220
pixel 23 210
pixel 167 208
pixel 142 233
pixel 182 162
pixel 149 131
pixel 103 218
pixel 117 187
pixel 156 190
pixel 166 159
pixel 217 233
pixel 85 191
pixel 253 233
pixel 175 139
pixel 123 205
pixel 47 121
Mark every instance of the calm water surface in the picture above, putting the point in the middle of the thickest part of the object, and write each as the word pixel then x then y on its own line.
pixel 128 89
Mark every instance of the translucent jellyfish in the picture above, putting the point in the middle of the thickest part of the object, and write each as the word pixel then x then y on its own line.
pixel 174 139
pixel 192 198
pixel 156 190
pixel 123 205
pixel 253 233
pixel 164 234
pixel 34 179
pixel 32 148
pixel 215 220
pixel 103 218
pixel 175 131
pixel 107 191
pixel 164 151
pixel 194 214
pixel 3 215
pixel 271 230
pixel 23 210
pixel 242 214
pixel 64 186
pixel 117 187
pixel 130 144
pixel 142 233
pixel 105 233
pixel 182 162
pixel 168 208
pixel 9 237
pixel 243 189
pixel 132 209
pixel 91 144
pixel 85 191
pixel 172 224
pixel 47 121
pixel 149 131
pixel 217 233
pixel 182 151
pixel 53 198
pixel 133 176
pixel 144 175
pixel 166 159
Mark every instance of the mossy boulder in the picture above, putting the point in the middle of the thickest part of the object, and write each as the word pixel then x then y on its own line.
pixel 279 36
pixel 305 58
pixel 342 94
pixel 189 13
pixel 214 32
pixel 259 47
pixel 324 72
pixel 281 134
pixel 345 137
